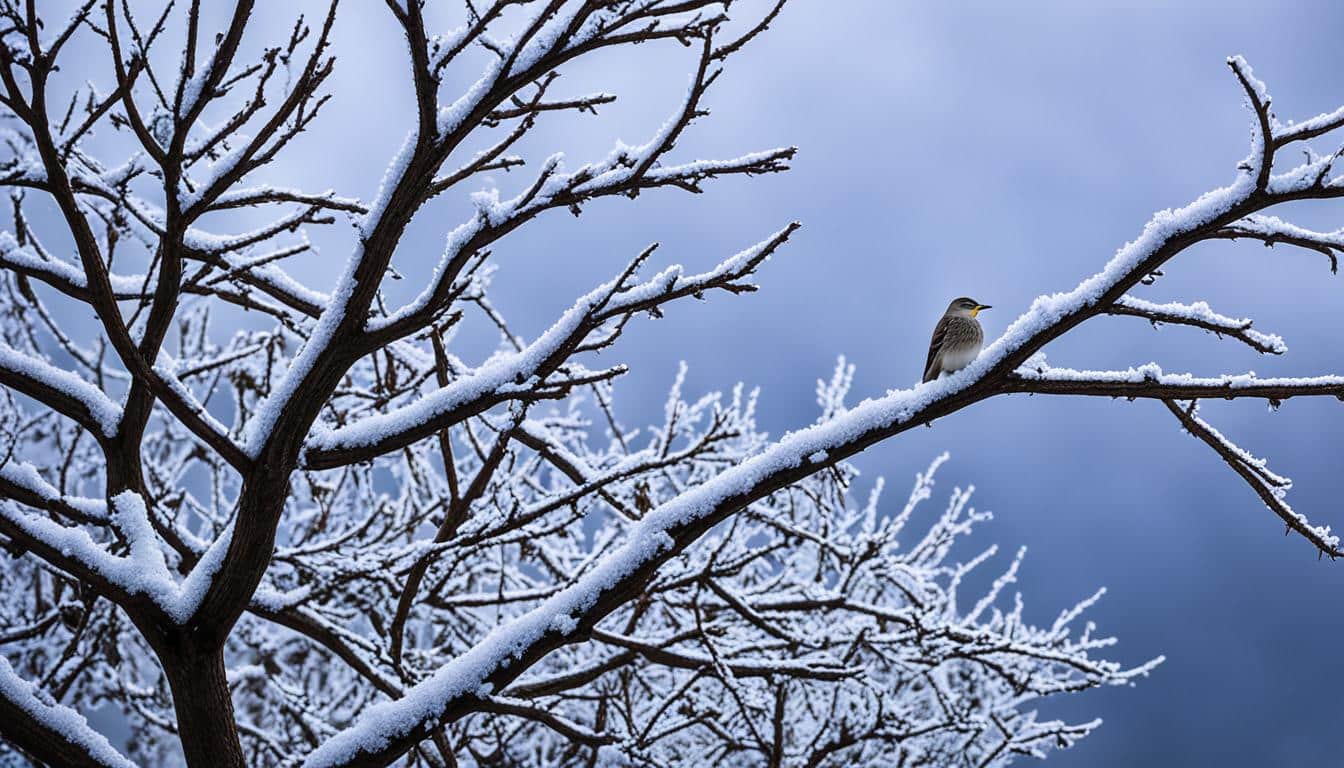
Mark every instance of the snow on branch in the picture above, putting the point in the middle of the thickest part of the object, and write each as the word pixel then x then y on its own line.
pixel 1308 129
pixel 49 730
pixel 546 41
pixel 524 375
pixel 62 391
pixel 1271 488
pixel 62 275
pixel 1199 315
pixel 141 572
pixel 22 482
pixel 1149 381
pixel 1271 230
pixel 320 526
pixel 812 632
pixel 624 172
pixel 1261 161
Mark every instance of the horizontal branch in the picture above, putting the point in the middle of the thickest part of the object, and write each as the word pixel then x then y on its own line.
pixel 1308 129
pixel 253 196
pixel 522 108
pixel 739 667
pixel 138 580
pixel 65 277
pixel 1148 381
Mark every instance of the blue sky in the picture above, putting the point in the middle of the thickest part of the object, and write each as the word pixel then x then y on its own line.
pixel 1002 152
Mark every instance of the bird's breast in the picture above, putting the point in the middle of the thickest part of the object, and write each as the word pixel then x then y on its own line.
pixel 958 356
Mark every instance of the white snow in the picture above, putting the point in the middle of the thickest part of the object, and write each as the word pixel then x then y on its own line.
pixel 496 375
pixel 276 600
pixel 193 86
pixel 62 272
pixel 1152 372
pixel 58 717
pixel 1280 483
pixel 27 477
pixel 258 428
pixel 216 170
pixel 132 520
pixel 166 369
pixel 1276 485
pixel 100 407
pixel 1201 312
pixel 143 570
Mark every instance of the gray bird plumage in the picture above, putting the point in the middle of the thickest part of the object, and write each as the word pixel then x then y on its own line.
pixel 956 339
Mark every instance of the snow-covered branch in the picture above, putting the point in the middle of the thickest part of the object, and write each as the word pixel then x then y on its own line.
pixel 1149 381
pixel 1199 315
pixel 526 374
pixel 763 641
pixel 1271 488
pixel 1271 230
pixel 50 731
pixel 326 532
pixel 60 390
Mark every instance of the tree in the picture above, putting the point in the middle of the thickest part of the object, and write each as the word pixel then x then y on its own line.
pixel 337 542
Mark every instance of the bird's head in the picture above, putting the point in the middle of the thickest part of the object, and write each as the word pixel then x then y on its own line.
pixel 965 307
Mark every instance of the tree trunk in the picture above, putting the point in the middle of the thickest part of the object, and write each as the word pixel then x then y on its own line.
pixel 204 706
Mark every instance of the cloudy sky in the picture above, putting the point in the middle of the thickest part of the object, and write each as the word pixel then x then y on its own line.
pixel 1001 151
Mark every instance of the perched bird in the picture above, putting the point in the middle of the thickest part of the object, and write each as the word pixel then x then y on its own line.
pixel 956 339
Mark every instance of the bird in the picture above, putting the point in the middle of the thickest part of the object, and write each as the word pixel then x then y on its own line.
pixel 956 339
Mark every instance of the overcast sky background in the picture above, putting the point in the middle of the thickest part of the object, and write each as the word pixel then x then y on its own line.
pixel 996 151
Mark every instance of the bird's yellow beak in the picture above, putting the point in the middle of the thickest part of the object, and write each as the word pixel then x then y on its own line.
pixel 978 307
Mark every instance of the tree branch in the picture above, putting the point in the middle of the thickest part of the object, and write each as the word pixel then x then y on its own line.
pixel 1199 315
pixel 1270 488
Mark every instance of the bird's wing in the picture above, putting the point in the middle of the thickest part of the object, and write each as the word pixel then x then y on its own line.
pixel 935 345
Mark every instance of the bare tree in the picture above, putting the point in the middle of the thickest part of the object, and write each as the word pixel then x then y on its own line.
pixel 336 542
